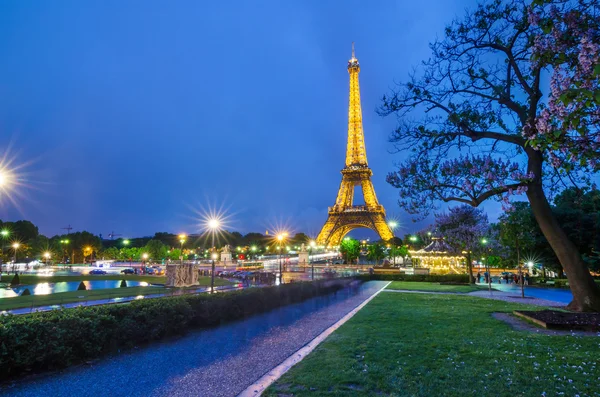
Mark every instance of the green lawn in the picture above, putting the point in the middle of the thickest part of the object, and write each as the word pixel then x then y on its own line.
pixel 75 296
pixel 35 279
pixel 424 286
pixel 79 296
pixel 442 345
pixel 30 279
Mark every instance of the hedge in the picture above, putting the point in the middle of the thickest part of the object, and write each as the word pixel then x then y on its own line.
pixel 59 338
pixel 432 278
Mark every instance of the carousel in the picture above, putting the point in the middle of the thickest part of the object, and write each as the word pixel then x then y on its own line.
pixel 439 257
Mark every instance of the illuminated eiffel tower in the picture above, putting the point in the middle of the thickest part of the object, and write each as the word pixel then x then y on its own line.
pixel 344 216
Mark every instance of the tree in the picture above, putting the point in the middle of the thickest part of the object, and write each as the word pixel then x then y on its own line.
pixel 486 133
pixel 398 252
pixel 375 252
pixel 156 250
pixel 464 227
pixel 110 253
pixel 350 249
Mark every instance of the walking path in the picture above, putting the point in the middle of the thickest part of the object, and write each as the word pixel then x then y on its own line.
pixel 493 294
pixel 220 361
pixel 514 298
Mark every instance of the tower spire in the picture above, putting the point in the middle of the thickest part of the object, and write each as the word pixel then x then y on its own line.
pixel 355 153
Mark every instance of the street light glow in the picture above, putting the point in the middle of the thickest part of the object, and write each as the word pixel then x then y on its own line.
pixel 125 242
pixel 214 223
pixel 4 233
pixel 413 238
pixel 484 241
pixel 16 245
pixel 145 256
pixel 393 224
pixel 214 256
pixel 312 243
pixel 47 255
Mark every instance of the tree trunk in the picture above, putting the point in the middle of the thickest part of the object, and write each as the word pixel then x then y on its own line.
pixel 586 294
pixel 470 268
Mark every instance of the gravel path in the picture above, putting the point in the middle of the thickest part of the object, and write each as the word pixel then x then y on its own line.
pixel 220 361
pixel 511 297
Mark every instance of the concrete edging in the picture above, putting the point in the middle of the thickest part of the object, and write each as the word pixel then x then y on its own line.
pixel 274 374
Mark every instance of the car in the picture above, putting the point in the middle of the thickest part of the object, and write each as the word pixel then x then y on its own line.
pixel 97 271
pixel 128 271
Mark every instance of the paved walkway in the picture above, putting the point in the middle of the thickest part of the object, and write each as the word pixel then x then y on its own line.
pixel 498 295
pixel 220 361
pixel 514 298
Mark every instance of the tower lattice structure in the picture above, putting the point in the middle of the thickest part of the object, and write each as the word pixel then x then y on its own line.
pixel 344 216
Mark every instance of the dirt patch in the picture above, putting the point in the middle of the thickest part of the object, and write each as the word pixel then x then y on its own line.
pixel 519 324
pixel 553 319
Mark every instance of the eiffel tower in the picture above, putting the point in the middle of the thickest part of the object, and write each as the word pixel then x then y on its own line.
pixel 344 216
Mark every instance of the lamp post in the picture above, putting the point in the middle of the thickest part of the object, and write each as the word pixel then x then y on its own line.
pixel 4 234
pixel 182 238
pixel 281 238
pixel 144 258
pixel 212 273
pixel 47 257
pixel 15 247
pixel 214 226
pixel 312 245
pixel 484 241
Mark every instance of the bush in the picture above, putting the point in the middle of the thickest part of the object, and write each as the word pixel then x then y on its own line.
pixel 81 286
pixel 15 281
pixel 58 338
pixel 431 278
pixel 25 292
pixel 123 284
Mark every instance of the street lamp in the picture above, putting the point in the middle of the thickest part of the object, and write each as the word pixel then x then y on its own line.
pixel 214 226
pixel 144 258
pixel 64 242
pixel 125 242
pixel 15 247
pixel 4 233
pixel 280 237
pixel 47 257
pixel 312 245
pixel 487 266
pixel 182 238
pixel 212 274
pixel 253 248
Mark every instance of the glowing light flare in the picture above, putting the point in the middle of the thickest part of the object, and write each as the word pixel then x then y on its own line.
pixel 13 179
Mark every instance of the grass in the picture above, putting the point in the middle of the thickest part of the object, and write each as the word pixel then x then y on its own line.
pixel 18 302
pixel 434 345
pixel 30 279
pixel 436 287
pixel 36 279
pixel 75 296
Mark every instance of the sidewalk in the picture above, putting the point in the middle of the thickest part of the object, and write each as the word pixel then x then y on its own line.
pixel 515 298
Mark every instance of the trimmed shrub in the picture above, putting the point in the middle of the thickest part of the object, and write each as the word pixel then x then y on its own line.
pixel 15 281
pixel 59 338
pixel 431 278
pixel 25 292
pixel 123 284
pixel 81 287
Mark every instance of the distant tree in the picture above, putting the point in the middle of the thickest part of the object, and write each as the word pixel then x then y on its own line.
pixel 485 129
pixel 156 250
pixel 376 252
pixel 464 227
pixel 350 249
pixel 110 253
pixel 396 251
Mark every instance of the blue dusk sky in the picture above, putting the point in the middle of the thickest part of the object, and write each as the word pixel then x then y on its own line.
pixel 133 115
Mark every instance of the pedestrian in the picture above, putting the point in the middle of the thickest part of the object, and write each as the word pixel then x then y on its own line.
pixel 526 278
pixel 506 278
